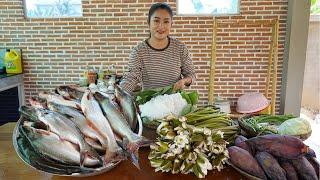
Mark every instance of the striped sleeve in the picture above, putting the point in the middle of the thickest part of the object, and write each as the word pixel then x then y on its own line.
pixel 134 76
pixel 187 68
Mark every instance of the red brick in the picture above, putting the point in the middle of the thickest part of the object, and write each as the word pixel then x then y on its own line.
pixel 108 31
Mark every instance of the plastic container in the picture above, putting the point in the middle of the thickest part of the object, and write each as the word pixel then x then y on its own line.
pixel 2 70
pixel 92 77
pixel 12 61
pixel 2 67
pixel 222 104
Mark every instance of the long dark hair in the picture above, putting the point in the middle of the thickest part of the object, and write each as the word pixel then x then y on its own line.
pixel 157 6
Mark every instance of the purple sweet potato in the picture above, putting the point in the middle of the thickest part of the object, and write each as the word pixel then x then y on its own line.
pixel 239 140
pixel 313 161
pixel 241 143
pixel 291 173
pixel 304 168
pixel 288 147
pixel 311 153
pixel 245 161
pixel 246 147
pixel 270 166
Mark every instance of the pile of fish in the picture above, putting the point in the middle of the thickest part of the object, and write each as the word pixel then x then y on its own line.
pixel 81 129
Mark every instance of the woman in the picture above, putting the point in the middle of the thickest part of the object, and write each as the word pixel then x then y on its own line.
pixel 160 60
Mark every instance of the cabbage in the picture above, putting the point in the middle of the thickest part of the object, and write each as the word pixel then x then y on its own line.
pixel 295 127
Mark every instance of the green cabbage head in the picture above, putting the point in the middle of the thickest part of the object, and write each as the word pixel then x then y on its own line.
pixel 295 127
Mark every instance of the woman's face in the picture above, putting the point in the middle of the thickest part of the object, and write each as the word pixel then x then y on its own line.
pixel 160 24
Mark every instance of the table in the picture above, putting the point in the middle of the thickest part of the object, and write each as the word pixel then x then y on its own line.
pixel 8 81
pixel 12 167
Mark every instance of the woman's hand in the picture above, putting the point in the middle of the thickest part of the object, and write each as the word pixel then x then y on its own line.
pixel 181 84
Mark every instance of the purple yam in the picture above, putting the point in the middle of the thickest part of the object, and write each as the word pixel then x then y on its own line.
pixel 313 161
pixel 304 168
pixel 283 146
pixel 291 173
pixel 245 161
pixel 311 153
pixel 246 147
pixel 270 166
pixel 239 140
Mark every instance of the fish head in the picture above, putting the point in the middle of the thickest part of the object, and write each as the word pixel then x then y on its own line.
pixel 34 133
pixel 44 94
pixel 99 97
pixel 37 125
pixel 63 91
pixel 30 132
pixel 27 111
pixel 54 107
pixel 121 94
pixel 87 96
pixel 38 102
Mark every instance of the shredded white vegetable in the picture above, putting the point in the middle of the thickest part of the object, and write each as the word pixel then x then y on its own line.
pixel 162 106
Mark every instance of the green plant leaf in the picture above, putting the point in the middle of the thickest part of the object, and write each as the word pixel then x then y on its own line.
pixel 194 97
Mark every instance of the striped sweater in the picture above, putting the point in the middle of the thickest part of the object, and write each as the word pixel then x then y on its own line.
pixel 154 68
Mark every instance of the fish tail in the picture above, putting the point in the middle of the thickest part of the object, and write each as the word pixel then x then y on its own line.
pixel 139 141
pixel 82 158
pixel 110 157
pixel 133 145
pixel 95 144
pixel 131 150
pixel 92 154
pixel 135 158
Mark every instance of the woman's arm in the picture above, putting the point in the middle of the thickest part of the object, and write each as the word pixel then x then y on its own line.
pixel 187 70
pixel 134 76
pixel 187 67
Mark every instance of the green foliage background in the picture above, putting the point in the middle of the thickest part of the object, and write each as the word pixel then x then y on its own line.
pixel 315 7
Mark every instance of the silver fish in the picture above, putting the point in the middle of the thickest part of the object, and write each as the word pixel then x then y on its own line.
pixel 66 130
pixel 93 113
pixel 51 97
pixel 119 123
pixel 82 123
pixel 127 105
pixel 96 145
pixel 38 102
pixel 29 113
pixel 51 145
pixel 36 124
pixel 121 127
pixel 70 92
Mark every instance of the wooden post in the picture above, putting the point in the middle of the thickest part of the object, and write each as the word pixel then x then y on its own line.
pixel 212 63
pixel 271 53
pixel 275 68
pixel 272 58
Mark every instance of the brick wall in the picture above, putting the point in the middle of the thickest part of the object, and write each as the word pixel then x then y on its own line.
pixel 56 51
